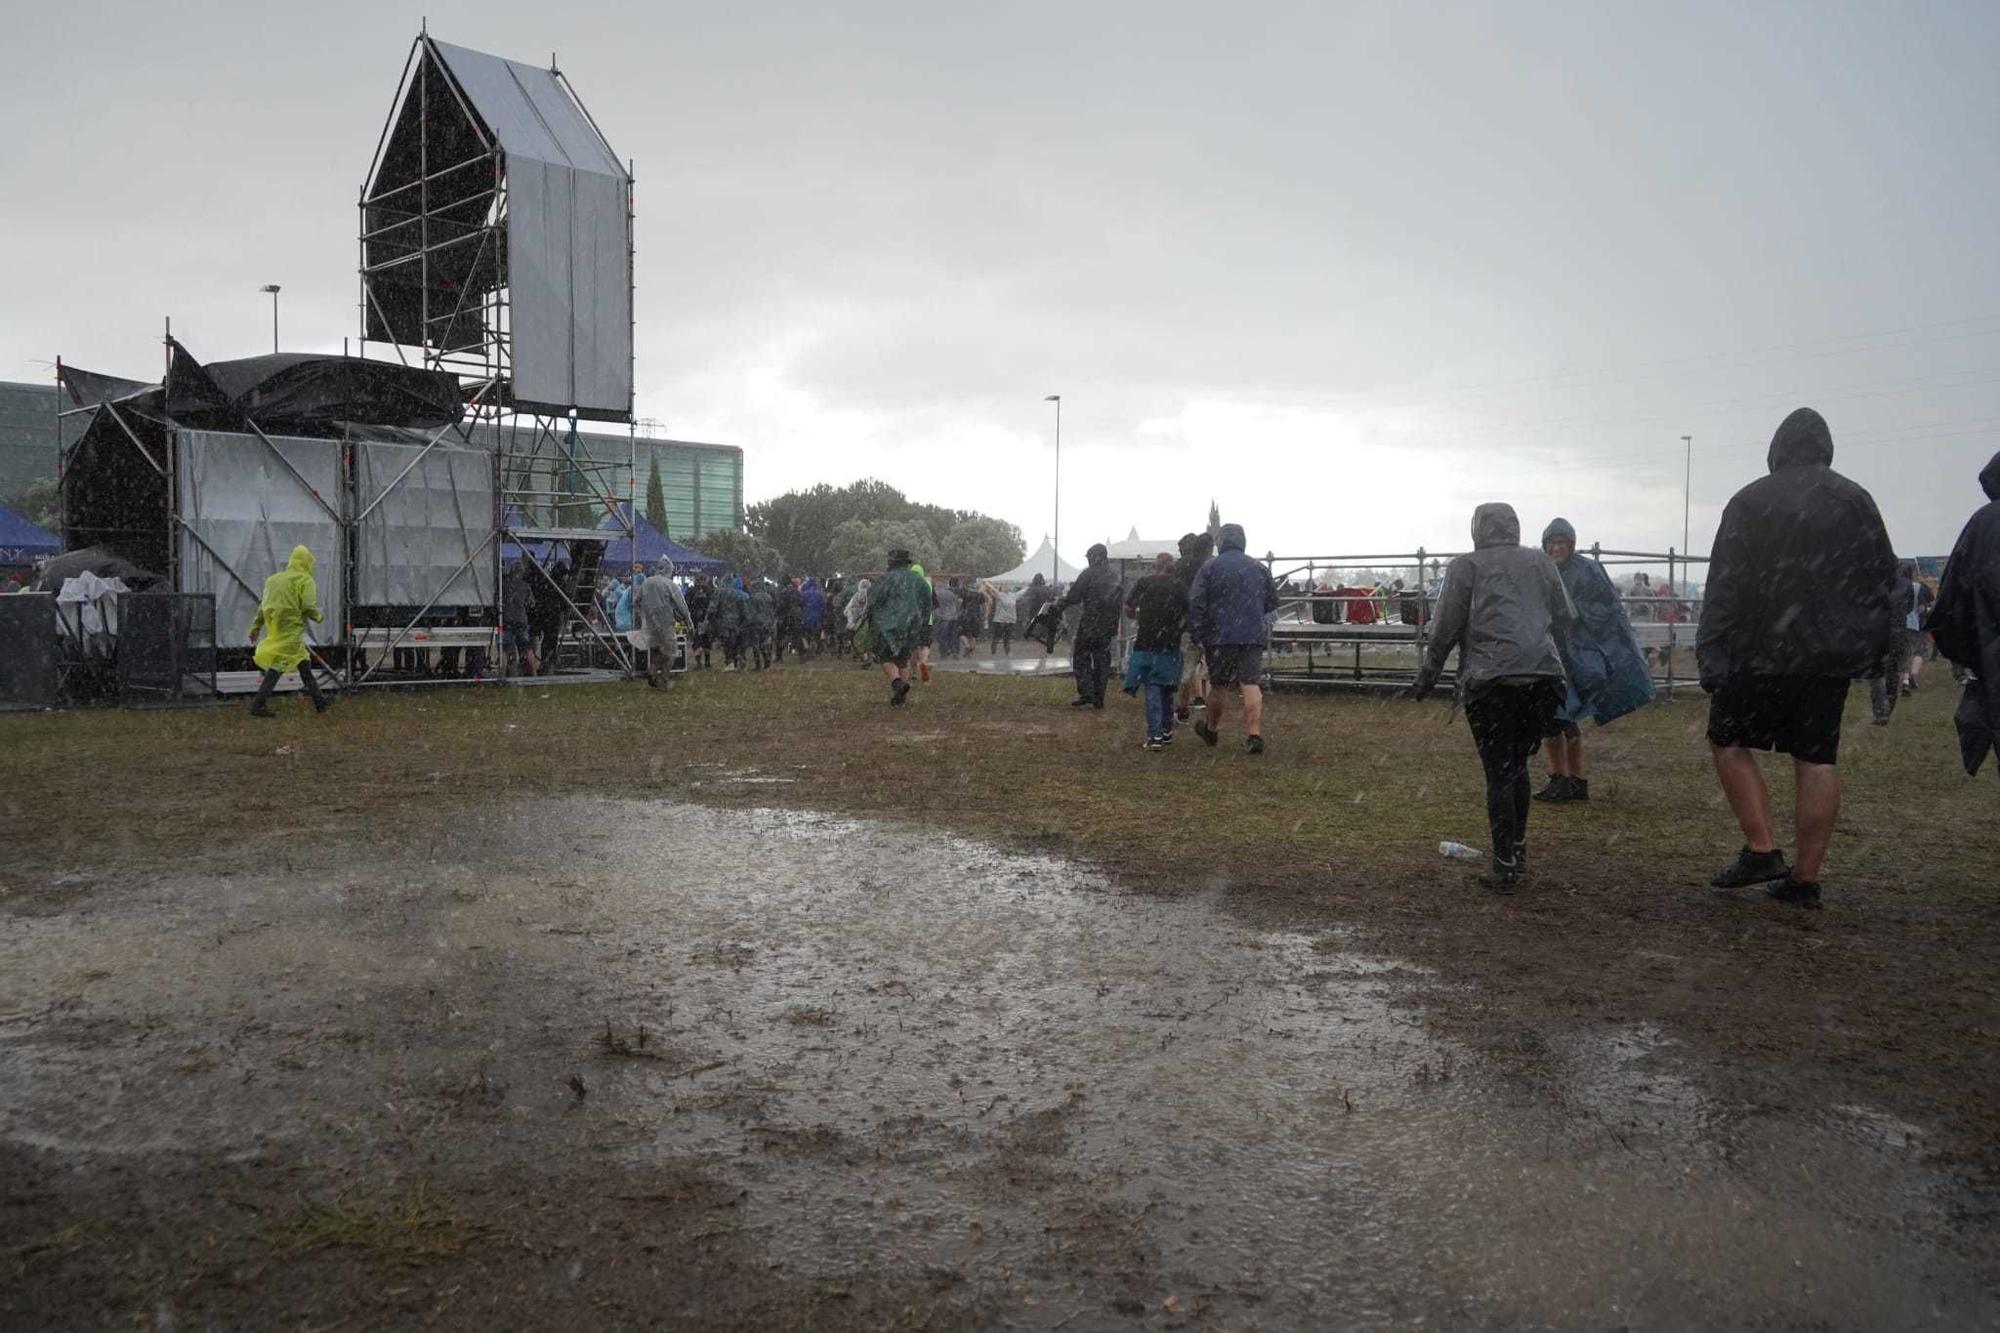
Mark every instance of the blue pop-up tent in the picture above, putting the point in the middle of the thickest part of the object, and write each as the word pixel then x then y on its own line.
pixel 648 544
pixel 23 543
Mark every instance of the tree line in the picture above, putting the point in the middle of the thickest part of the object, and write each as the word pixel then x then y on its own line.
pixel 827 529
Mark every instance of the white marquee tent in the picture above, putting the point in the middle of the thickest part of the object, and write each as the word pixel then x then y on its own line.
pixel 1045 562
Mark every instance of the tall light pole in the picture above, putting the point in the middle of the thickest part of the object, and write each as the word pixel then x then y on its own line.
pixel 1055 552
pixel 272 288
pixel 1687 492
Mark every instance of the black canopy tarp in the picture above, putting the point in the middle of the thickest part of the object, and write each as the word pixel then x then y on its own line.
pixel 303 391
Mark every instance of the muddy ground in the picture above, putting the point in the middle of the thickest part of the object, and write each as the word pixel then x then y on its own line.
pixel 406 1019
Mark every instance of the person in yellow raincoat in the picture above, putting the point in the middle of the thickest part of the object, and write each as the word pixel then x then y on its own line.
pixel 291 598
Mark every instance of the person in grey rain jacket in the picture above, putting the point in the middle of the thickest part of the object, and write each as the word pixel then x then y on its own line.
pixel 1504 608
pixel 1797 607
pixel 660 602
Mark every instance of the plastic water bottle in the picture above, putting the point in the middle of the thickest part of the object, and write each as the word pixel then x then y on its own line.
pixel 1458 851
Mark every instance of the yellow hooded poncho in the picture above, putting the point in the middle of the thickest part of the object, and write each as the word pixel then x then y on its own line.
pixel 291 598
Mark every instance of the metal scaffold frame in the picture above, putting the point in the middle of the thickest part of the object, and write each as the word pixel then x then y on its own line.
pixel 444 233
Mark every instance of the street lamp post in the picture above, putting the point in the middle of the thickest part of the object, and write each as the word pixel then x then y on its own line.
pixel 272 288
pixel 1055 553
pixel 1687 492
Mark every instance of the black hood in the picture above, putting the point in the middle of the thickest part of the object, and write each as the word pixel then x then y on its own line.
pixel 1989 479
pixel 1231 537
pixel 1495 524
pixel 1802 440
pixel 1097 555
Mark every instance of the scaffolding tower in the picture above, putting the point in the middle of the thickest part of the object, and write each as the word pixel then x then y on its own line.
pixel 496 243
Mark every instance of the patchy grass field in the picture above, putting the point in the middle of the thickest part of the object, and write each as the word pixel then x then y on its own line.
pixel 1891 995
pixel 339 1019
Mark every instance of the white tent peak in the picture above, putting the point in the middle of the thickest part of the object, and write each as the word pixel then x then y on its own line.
pixel 1045 562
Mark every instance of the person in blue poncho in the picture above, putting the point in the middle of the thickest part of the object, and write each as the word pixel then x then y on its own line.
pixel 812 613
pixel 1600 656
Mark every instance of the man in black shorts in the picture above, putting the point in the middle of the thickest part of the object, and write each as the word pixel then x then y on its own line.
pixel 1797 605
pixel 1227 603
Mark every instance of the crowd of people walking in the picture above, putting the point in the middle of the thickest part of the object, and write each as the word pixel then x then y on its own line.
pixel 1804 596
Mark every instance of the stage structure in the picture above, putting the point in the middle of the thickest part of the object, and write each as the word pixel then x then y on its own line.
pixel 211 476
pixel 496 245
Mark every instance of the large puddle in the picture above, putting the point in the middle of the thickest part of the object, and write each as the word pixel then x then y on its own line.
pixel 920 1054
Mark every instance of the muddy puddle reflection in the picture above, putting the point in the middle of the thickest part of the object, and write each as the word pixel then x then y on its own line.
pixel 919 1054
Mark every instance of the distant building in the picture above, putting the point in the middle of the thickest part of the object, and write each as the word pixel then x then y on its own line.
pixel 703 482
pixel 28 435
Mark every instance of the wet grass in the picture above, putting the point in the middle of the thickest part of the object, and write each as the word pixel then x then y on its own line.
pixel 1891 995
pixel 411 1227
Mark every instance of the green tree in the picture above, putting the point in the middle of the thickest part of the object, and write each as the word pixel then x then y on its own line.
pixel 742 552
pixel 860 547
pixel 801 524
pixel 981 547
pixel 656 498
pixel 38 502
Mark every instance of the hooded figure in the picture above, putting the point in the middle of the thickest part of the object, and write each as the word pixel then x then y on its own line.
pixel 1799 593
pixel 899 607
pixel 290 599
pixel 857 605
pixel 1100 596
pixel 1800 572
pixel 1600 655
pixel 726 614
pixel 1230 595
pixel 660 602
pixel 1504 608
pixel 1965 624
pixel 812 606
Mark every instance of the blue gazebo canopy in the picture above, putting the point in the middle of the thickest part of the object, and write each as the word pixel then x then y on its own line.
pixel 22 542
pixel 648 544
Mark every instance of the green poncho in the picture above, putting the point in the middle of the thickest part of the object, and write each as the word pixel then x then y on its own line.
pixel 897 605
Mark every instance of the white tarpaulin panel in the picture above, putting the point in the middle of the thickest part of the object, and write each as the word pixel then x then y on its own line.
pixel 568 254
pixel 246 511
pixel 413 547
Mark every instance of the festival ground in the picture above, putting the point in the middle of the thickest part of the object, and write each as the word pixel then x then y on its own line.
pixel 758 1004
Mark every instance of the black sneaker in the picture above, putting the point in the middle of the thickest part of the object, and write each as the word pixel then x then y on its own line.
pixel 326 701
pixel 1153 743
pixel 1557 791
pixel 899 690
pixel 1207 733
pixel 1167 736
pixel 1803 892
pixel 1181 713
pixel 1501 876
pixel 1079 702
pixel 1254 744
pixel 1751 868
pixel 262 712
pixel 1579 789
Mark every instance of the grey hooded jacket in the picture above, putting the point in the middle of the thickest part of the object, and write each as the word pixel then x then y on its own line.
pixel 1503 607
pixel 660 600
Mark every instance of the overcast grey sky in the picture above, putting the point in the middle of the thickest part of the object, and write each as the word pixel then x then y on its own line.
pixel 1349 269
